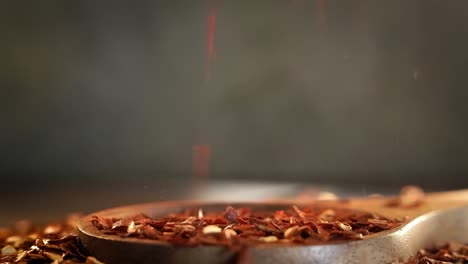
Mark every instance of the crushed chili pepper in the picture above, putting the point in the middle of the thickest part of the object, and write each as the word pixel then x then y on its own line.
pixel 55 243
pixel 445 254
pixel 242 227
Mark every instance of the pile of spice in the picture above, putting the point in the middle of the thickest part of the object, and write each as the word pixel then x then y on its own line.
pixel 242 226
pixel 447 253
pixel 54 243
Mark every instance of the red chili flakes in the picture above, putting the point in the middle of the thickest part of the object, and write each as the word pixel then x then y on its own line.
pixel 445 254
pixel 243 226
pixel 101 223
pixel 54 243
pixel 231 215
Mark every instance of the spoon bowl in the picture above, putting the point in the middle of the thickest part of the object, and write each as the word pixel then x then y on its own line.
pixel 442 218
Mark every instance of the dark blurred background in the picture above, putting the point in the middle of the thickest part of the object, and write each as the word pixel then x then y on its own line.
pixel 101 94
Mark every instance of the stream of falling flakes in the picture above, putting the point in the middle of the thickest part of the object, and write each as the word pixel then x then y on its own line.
pixel 201 151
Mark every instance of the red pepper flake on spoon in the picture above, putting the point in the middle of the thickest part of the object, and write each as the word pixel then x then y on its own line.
pixel 242 226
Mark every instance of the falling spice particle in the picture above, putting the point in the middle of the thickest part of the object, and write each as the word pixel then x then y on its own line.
pixel 210 49
pixel 321 11
pixel 201 161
